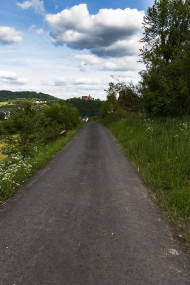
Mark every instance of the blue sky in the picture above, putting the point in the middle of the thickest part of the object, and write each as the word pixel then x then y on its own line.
pixel 69 48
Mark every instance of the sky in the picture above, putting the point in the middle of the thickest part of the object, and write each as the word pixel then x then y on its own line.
pixel 70 48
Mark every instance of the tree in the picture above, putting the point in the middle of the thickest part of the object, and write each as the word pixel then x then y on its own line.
pixel 164 84
pixel 166 31
pixel 86 108
pixel 111 109
pixel 129 98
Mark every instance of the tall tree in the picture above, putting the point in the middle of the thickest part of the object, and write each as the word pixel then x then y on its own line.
pixel 111 109
pixel 166 31
pixel 164 85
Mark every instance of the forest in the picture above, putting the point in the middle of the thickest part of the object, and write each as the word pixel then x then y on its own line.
pixel 87 108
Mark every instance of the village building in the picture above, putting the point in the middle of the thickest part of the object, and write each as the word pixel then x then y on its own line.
pixel 87 97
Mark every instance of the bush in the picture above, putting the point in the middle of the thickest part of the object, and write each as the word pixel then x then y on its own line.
pixel 32 125
pixel 2 116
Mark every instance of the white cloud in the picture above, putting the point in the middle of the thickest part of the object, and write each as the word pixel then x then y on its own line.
pixel 87 58
pixel 9 35
pixel 12 78
pixel 69 87
pixel 37 5
pixel 87 61
pixel 110 32
pixel 127 63
pixel 75 81
pixel 121 48
pixel 25 5
pixel 33 29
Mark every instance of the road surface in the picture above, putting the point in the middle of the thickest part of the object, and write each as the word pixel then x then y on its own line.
pixel 87 219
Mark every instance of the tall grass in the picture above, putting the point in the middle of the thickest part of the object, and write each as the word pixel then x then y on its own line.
pixel 160 150
pixel 2 156
pixel 16 170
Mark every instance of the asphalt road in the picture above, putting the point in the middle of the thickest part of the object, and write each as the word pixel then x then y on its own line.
pixel 87 219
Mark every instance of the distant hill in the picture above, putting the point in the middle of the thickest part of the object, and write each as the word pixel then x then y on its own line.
pixel 86 108
pixel 9 99
pixel 6 95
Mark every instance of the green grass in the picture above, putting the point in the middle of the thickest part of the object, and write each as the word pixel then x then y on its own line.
pixel 2 156
pixel 3 103
pixel 16 101
pixel 160 151
pixel 16 170
pixel 7 105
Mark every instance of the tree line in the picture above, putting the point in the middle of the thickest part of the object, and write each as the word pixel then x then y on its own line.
pixel 164 89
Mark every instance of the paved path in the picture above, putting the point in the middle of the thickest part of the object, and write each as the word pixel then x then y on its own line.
pixel 86 219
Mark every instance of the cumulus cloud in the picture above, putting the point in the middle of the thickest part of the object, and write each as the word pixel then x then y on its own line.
pixel 87 58
pixel 82 81
pixel 33 29
pixel 12 78
pixel 110 32
pixel 129 76
pixel 37 5
pixel 9 35
pixel 120 48
pixel 127 63
pixel 87 61
pixel 123 64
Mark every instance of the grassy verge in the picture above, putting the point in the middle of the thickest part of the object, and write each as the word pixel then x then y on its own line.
pixel 16 170
pixel 2 156
pixel 160 151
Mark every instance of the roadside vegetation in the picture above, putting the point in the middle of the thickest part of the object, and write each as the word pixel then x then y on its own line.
pixel 31 134
pixel 160 151
pixel 151 121
pixel 2 156
pixel 15 171
pixel 30 137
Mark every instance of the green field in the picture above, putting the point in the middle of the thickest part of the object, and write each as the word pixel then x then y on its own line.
pixel 3 103
pixel 7 105
pixel 17 101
